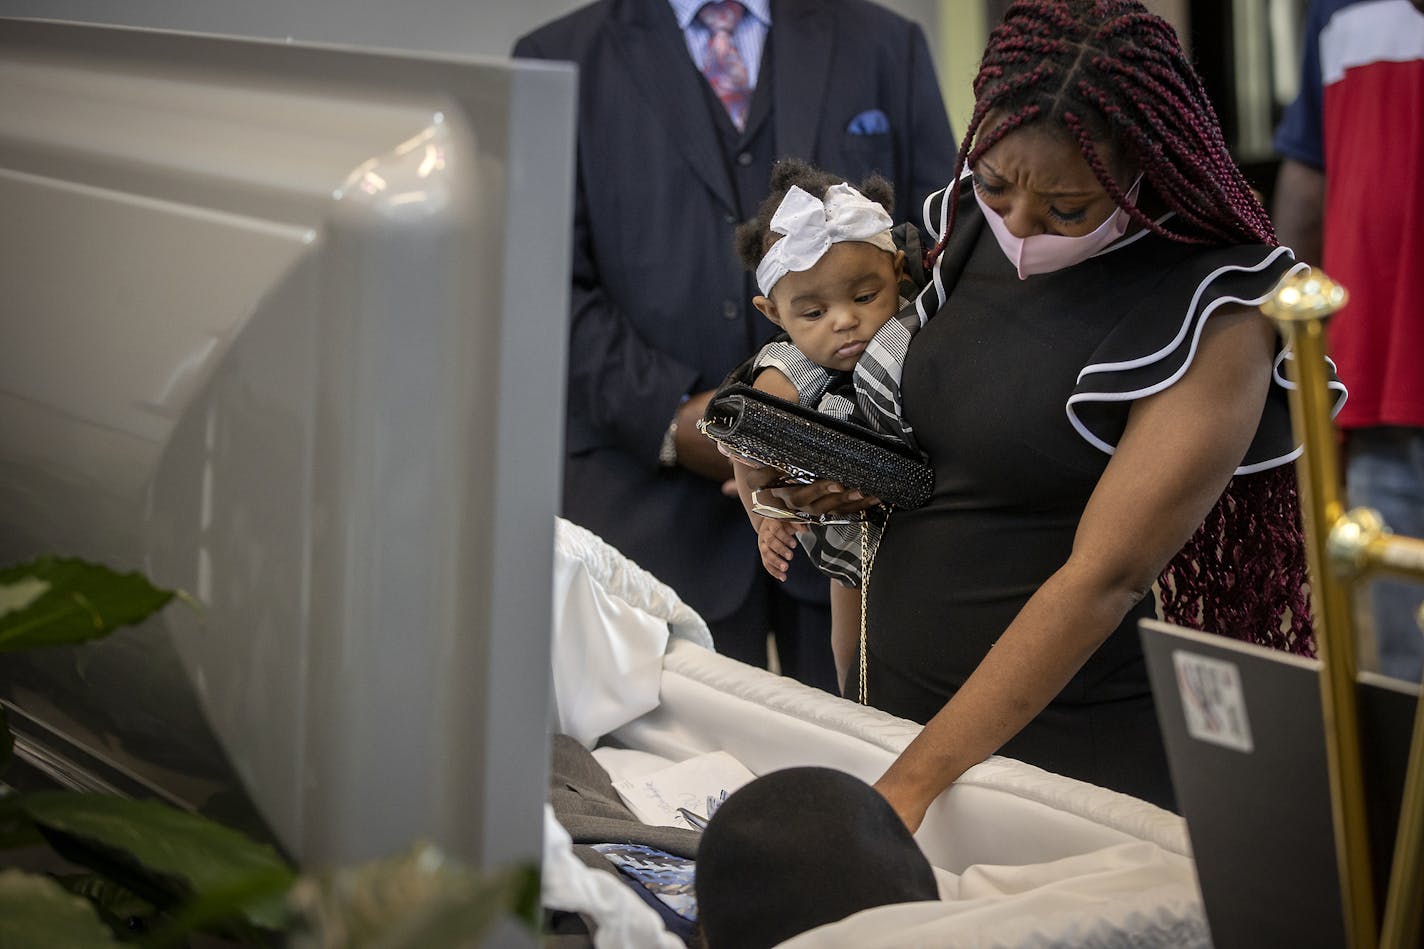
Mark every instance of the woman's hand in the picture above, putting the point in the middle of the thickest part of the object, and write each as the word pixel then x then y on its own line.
pixel 823 497
pixel 755 474
pixel 910 806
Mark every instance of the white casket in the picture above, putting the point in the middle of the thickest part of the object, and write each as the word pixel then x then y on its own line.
pixel 1024 857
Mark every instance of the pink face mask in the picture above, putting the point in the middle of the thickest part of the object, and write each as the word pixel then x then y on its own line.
pixel 1045 253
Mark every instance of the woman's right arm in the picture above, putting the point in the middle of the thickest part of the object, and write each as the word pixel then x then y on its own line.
pixel 1174 459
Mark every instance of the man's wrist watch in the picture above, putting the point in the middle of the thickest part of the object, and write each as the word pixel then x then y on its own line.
pixel 667 452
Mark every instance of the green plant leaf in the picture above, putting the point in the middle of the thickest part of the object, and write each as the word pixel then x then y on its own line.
pixel 38 913
pixel 116 905
pixel 157 850
pixel 54 600
pixel 20 594
pixel 16 830
pixel 213 911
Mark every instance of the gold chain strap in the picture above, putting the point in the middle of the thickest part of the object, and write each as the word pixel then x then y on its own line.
pixel 867 559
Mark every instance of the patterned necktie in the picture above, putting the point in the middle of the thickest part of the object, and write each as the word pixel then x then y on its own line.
pixel 722 64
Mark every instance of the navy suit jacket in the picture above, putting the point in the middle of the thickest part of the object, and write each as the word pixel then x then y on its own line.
pixel 661 306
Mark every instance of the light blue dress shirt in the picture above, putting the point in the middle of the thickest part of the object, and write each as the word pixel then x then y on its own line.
pixel 749 36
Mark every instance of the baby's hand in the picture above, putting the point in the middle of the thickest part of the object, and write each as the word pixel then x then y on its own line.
pixel 777 542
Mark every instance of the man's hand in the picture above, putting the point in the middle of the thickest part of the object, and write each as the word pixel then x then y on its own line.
pixel 695 451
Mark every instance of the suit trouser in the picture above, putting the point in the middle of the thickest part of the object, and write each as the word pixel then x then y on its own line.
pixel 801 631
pixel 1385 471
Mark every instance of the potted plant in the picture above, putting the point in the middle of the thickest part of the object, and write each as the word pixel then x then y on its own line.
pixel 139 870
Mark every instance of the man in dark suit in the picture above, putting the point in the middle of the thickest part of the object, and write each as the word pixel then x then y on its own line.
pixel 661 308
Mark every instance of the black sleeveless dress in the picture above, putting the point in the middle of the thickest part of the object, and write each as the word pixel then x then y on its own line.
pixel 1017 390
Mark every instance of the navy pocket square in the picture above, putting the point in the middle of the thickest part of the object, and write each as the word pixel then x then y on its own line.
pixel 869 122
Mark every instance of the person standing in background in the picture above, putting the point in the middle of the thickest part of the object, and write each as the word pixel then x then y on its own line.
pixel 683 108
pixel 1350 198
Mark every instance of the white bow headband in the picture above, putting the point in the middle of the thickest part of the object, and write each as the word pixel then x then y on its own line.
pixel 811 226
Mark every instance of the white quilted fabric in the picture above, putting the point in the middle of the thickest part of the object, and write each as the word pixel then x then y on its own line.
pixel 612 622
pixel 1034 859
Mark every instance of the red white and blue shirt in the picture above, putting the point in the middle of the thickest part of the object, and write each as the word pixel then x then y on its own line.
pixel 1360 119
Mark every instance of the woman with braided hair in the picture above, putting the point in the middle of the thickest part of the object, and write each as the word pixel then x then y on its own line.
pixel 1103 407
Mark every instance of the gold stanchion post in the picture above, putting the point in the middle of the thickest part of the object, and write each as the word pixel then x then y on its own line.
pixel 1300 308
pixel 1360 544
pixel 1402 908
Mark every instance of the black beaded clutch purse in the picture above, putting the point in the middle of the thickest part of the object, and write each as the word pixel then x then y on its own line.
pixel 809 445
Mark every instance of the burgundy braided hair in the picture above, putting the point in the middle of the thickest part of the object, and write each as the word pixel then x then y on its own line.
pixel 1243 572
pixel 1108 74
